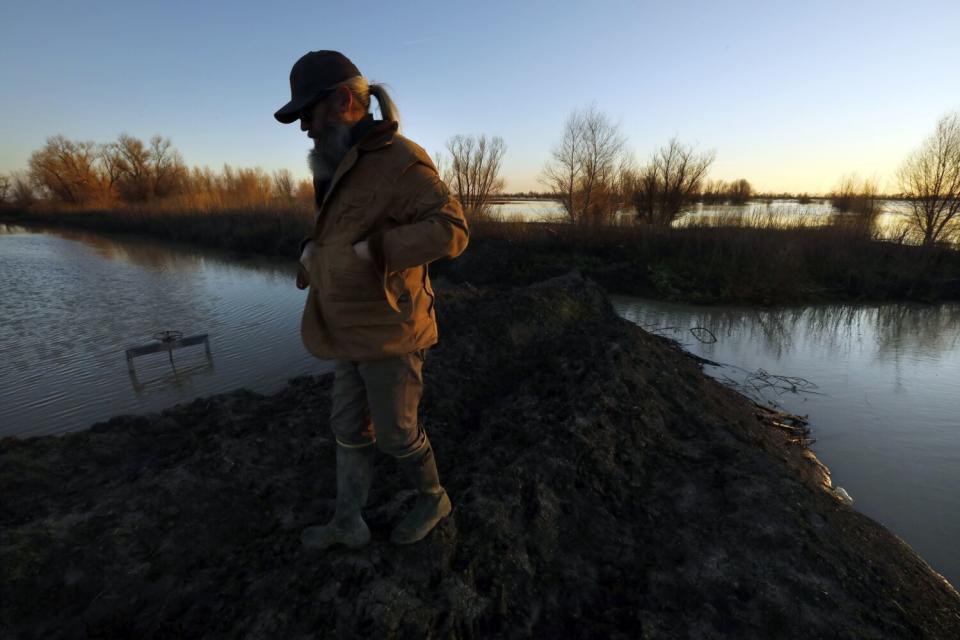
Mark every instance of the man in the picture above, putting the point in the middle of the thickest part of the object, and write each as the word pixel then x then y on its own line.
pixel 383 214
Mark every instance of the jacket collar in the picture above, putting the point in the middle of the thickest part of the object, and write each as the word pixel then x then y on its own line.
pixel 370 135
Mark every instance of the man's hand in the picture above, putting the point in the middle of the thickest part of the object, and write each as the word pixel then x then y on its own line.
pixel 362 249
pixel 303 272
pixel 306 255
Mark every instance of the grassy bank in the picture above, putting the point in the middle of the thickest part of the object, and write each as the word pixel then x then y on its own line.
pixel 719 262
pixel 733 260
pixel 274 232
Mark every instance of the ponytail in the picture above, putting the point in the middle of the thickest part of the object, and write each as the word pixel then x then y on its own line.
pixel 362 90
pixel 388 110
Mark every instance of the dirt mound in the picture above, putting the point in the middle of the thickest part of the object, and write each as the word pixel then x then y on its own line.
pixel 602 487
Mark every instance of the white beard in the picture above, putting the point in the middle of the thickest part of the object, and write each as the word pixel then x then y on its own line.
pixel 328 150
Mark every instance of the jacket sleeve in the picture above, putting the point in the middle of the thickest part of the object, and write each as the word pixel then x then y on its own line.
pixel 431 223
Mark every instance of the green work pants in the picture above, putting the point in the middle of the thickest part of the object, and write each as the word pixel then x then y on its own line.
pixel 376 401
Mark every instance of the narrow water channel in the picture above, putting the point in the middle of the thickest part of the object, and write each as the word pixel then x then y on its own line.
pixel 881 387
pixel 879 383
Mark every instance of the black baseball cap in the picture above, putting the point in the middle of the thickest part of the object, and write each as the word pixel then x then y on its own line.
pixel 313 76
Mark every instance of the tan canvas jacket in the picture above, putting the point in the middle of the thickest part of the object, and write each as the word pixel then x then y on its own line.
pixel 386 190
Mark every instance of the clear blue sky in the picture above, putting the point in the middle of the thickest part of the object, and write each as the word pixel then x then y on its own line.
pixel 790 95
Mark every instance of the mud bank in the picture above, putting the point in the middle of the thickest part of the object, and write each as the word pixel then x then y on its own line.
pixel 603 487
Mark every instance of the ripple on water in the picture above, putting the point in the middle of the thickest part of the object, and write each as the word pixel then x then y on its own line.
pixel 73 303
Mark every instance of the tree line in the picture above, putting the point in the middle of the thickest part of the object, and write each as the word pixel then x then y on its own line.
pixel 596 179
pixel 129 172
pixel 590 173
pixel 593 176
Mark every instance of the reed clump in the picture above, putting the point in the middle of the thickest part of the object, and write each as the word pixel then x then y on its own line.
pixel 857 204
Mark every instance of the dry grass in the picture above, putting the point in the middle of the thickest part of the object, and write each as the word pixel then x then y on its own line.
pixel 764 255
pixel 255 230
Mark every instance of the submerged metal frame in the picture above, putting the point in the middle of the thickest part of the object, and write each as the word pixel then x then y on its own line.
pixel 168 346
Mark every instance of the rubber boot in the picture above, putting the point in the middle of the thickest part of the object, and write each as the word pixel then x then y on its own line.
pixel 432 505
pixel 354 473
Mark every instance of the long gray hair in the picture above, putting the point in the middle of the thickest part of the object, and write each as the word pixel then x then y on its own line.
pixel 362 90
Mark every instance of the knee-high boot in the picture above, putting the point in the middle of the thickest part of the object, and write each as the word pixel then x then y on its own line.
pixel 354 474
pixel 432 503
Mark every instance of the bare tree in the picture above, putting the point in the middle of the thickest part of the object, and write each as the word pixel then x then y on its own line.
pixel 246 188
pixel 714 192
pixel 440 162
pixel 67 170
pixel 603 150
pixel 930 181
pixel 283 186
pixel 167 170
pixel 133 163
pixel 740 191
pixel 671 180
pixel 304 191
pixel 737 192
pixel 473 171
pixel 562 173
pixel 589 167
pixel 23 194
pixel 111 166
pixel 6 188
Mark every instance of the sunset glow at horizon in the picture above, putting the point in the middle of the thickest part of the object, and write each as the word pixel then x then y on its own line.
pixel 789 97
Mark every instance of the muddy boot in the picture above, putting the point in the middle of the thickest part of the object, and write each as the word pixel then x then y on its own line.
pixel 432 503
pixel 354 473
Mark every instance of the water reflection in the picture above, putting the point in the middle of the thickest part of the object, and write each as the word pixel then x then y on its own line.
pixel 925 330
pixel 156 255
pixel 176 378
pixel 73 303
pixel 169 343
pixel 883 409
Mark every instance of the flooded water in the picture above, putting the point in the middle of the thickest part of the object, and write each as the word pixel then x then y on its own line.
pixel 884 409
pixel 73 302
pixel 880 386
pixel 889 222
